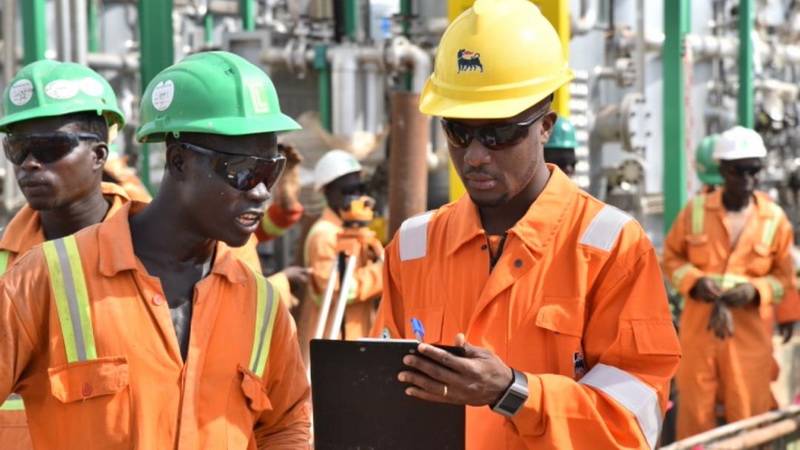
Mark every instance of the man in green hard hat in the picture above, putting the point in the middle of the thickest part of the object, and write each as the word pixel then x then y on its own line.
pixel 148 330
pixel 560 148
pixel 706 166
pixel 59 119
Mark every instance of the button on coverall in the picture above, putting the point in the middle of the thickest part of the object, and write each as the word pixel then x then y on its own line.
pixel 576 302
pixel 22 234
pixel 698 245
pixel 120 381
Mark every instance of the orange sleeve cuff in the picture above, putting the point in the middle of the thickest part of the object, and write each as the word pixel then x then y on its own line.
pixel 529 420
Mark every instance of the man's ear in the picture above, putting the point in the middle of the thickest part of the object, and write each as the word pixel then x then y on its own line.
pixel 176 161
pixel 548 122
pixel 100 152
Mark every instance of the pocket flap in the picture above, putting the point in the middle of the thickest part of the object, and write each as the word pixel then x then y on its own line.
pixel 696 239
pixel 88 379
pixel 253 389
pixel 761 249
pixel 655 337
pixel 562 315
pixel 432 319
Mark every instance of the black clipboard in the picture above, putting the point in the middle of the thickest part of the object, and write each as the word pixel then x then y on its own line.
pixel 359 403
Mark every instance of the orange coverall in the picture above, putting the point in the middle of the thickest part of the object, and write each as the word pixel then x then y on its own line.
pixel 138 392
pixel 22 234
pixel 576 302
pixel 698 245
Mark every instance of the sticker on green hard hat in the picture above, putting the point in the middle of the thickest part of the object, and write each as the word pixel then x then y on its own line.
pixel 211 92
pixel 21 92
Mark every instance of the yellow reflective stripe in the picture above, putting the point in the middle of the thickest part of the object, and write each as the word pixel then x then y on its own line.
pixel 352 291
pixel 678 275
pixel 72 299
pixel 698 213
pixel 13 403
pixel 266 310
pixel 771 226
pixel 3 261
pixel 777 289
pixel 270 228
pixel 727 281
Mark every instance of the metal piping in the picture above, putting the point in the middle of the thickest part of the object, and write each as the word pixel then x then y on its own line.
pixel 33 28
pixel 640 47
pixel 109 61
pixel 79 31
pixel 63 30
pixel 587 19
pixel 344 69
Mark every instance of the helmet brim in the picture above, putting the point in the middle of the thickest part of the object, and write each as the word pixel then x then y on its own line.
pixel 54 111
pixel 227 126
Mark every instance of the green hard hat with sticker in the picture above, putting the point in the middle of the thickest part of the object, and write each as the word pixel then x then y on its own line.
pixel 211 92
pixel 563 135
pixel 705 164
pixel 50 88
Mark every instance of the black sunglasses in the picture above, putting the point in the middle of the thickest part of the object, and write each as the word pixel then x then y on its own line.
pixel 242 172
pixel 45 147
pixel 744 170
pixel 493 136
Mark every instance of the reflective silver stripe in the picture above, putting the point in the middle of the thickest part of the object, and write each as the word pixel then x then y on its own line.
pixel 72 298
pixel 605 228
pixel 414 237
pixel 627 390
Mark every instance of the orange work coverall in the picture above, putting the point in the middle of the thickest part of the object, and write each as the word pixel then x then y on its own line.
pixel 576 302
pixel 698 245
pixel 22 234
pixel 138 392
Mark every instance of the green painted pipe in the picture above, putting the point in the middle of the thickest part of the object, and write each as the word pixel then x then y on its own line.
pixel 676 26
pixel 746 77
pixel 248 15
pixel 324 84
pixel 406 12
pixel 208 25
pixel 351 18
pixel 94 29
pixel 157 53
pixel 33 30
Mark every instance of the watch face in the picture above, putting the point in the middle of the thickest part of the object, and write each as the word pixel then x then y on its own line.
pixel 514 402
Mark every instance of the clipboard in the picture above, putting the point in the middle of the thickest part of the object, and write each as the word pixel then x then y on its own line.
pixel 359 403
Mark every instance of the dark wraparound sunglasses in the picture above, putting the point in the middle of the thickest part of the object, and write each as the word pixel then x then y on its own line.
pixel 493 136
pixel 742 170
pixel 242 172
pixel 45 147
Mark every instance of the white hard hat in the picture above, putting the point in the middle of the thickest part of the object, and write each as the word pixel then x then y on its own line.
pixel 739 143
pixel 332 165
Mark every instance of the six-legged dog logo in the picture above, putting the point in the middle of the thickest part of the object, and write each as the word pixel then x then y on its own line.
pixel 469 61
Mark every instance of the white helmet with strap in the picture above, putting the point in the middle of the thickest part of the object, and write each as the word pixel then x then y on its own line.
pixel 332 165
pixel 739 143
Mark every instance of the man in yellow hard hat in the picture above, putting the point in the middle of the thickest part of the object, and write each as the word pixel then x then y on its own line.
pixel 556 297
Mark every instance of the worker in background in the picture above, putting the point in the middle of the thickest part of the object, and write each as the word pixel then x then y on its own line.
pixel 554 295
pixel 729 254
pixel 706 166
pixel 560 148
pixel 338 176
pixel 59 119
pixel 146 330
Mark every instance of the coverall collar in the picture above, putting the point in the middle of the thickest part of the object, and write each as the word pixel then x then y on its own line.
pixel 25 229
pixel 331 216
pixel 536 228
pixel 760 201
pixel 115 236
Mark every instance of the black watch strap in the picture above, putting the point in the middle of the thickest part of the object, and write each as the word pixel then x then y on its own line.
pixel 514 397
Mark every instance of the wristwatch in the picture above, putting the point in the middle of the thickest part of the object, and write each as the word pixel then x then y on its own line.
pixel 514 397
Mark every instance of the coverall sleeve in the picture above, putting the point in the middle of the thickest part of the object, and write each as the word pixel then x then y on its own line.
pixel 632 352
pixel 24 292
pixel 287 424
pixel 680 272
pixel 779 287
pixel 277 221
pixel 367 281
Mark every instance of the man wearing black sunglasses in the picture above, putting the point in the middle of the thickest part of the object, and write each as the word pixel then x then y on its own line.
pixel 729 254
pixel 147 330
pixel 58 119
pixel 555 296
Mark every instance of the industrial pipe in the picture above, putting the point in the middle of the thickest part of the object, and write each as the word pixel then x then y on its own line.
pixel 63 30
pixel 586 20
pixel 112 61
pixel 344 70
pixel 408 162
pixel 9 69
pixel 746 101
pixel 79 31
pixel 92 14
pixel 324 85
pixel 248 15
pixel 33 29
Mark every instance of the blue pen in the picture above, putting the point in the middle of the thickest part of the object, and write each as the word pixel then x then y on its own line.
pixel 419 330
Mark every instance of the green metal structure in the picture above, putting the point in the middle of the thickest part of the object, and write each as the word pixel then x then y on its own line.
pixel 324 84
pixel 92 16
pixel 746 77
pixel 33 30
pixel 676 26
pixel 248 9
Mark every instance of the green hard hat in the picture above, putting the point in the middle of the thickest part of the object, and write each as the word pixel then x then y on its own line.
pixel 51 88
pixel 705 164
pixel 563 135
pixel 211 92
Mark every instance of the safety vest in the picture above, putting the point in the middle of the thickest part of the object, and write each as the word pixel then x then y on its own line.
pixel 75 316
pixel 602 233
pixel 725 280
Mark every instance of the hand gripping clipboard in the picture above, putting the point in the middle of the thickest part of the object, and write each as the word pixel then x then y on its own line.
pixel 359 403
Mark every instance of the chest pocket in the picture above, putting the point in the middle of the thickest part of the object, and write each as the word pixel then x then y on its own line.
pixel 90 390
pixel 248 399
pixel 762 254
pixel 563 320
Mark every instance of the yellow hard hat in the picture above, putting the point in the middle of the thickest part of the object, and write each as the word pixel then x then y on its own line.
pixel 495 60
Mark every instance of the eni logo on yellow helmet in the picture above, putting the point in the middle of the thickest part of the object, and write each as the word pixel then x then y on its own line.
pixel 468 61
